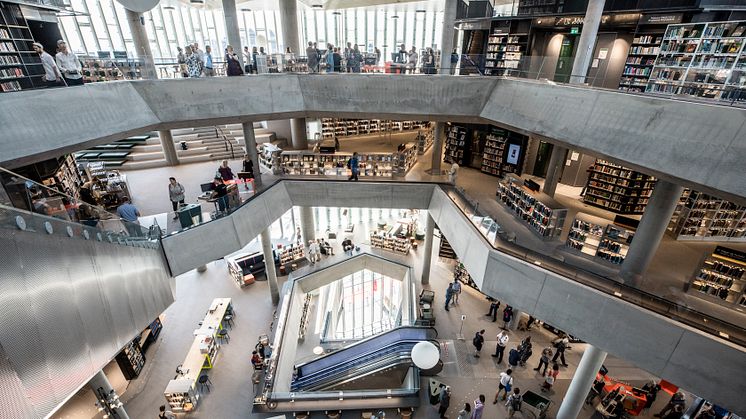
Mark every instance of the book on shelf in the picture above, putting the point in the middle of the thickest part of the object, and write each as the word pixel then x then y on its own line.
pixel 617 188
pixel 544 219
pixel 722 277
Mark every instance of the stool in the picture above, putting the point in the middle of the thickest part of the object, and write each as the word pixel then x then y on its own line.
pixel 204 381
pixel 406 413
pixel 302 415
pixel 228 320
pixel 293 267
pixel 223 336
pixel 367 415
pixel 333 414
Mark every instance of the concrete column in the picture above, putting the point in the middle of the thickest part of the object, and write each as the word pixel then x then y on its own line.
pixel 299 134
pixel 554 170
pixel 517 314
pixel 649 233
pixel 269 263
pixel 231 28
pixel 289 23
pixel 438 134
pixel 249 142
pixel 581 383
pixel 136 22
pixel 446 40
pixel 307 225
pixel 169 149
pixel 100 382
pixel 589 31
pixel 427 257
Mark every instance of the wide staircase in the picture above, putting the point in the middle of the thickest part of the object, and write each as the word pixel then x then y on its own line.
pixel 203 144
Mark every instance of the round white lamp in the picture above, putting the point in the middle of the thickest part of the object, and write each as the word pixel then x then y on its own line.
pixel 425 355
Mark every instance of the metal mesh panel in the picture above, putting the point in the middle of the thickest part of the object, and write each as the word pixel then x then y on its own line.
pixel 13 402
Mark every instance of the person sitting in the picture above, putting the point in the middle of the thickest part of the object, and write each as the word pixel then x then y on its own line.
pixel 347 245
pixel 322 248
pixel 220 194
pixel 256 360
pixel 325 245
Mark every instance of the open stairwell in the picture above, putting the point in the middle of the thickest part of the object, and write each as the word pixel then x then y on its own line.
pixel 211 143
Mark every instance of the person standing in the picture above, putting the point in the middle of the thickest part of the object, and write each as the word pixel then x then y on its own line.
pixel 549 378
pixel 199 52
pixel 312 255
pixel 165 414
pixel 478 407
pixel 526 350
pixel 413 57
pixel 428 61
pixel 225 172
pixel 445 401
pixel 52 75
pixel 248 170
pixel 502 341
pixel 129 213
pixel 355 60
pixel 337 59
pixel 69 65
pixel 348 57
pixel 175 194
pixel 449 295
pixel 454 61
pixel 546 354
pixel 232 63
pixel 181 61
pixel 507 316
pixel 494 306
pixel 456 291
pixel 464 413
pixel 254 64
pixel 478 341
pixel 354 165
pixel 247 60
pixel 313 59
pixel 220 193
pixel 193 63
pixel 597 391
pixel 329 55
pixel 561 345
pixel 400 60
pixel 514 403
pixel 377 53
pixel 677 399
pixel 208 70
pixel 506 384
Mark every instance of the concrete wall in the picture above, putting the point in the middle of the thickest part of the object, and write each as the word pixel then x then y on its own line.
pixel 696 144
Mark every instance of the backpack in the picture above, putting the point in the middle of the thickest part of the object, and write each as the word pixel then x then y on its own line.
pixel 516 403
pixel 349 164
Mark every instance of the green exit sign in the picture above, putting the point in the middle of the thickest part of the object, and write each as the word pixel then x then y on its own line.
pixel 574 30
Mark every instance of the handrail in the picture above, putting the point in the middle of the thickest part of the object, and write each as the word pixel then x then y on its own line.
pixel 220 133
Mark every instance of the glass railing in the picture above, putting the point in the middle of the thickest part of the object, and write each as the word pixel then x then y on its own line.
pixel 505 241
pixel 36 201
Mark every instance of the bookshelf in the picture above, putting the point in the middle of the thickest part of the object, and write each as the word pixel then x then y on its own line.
pixel 640 61
pixel 405 158
pixel 96 69
pixel 269 156
pixel 700 216
pixel 504 52
pixel 66 178
pixel 721 277
pixel 541 213
pixel 493 154
pixel 20 66
pixel 292 253
pixel 585 236
pixel 306 163
pixel 331 127
pixel 180 395
pixel 539 7
pixel 383 240
pixel 131 360
pixel 700 59
pixel 589 236
pixel 617 188
pixel 457 145
pixel 424 140
pixel 463 276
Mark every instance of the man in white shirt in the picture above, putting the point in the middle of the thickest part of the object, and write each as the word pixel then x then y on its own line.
pixel 502 342
pixel 69 65
pixel 52 75
pixel 246 60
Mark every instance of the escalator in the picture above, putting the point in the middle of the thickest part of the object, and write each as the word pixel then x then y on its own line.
pixel 379 362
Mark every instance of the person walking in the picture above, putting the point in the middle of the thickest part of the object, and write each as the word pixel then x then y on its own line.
pixel 232 63
pixel 514 403
pixel 526 350
pixel 129 213
pixel 312 253
pixel 478 341
pixel 209 71
pixel 445 401
pixel 478 407
pixel 456 291
pixel 175 194
pixel 546 354
pixel 494 306
pixel 507 316
pixel 225 172
pixel 549 378
pixel 52 76
pixel 506 384
pixel 69 65
pixel 502 341
pixel 449 295
pixel 561 345
pixel 677 399
pixel 354 165
pixel 464 413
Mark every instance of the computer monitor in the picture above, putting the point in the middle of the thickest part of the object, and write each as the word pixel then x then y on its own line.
pixel 206 187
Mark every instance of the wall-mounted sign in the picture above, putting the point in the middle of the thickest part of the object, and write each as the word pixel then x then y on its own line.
pixel 603 53
pixel 514 151
pixel 661 19
pixel 574 30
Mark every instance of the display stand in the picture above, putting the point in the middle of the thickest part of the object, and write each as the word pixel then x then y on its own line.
pixel 335 127
pixel 542 213
pixel 291 253
pixel 406 157
pixel 131 360
pixel 700 216
pixel 269 156
pixel 618 189
pixel 305 163
pixel 722 278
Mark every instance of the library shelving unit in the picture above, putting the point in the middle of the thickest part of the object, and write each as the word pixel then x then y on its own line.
pixel 543 214
pixel 640 60
pixel 181 395
pixel 386 241
pixel 458 144
pixel 721 277
pixel 291 253
pixel 318 164
pixel 504 53
pixel 405 158
pixel 331 127
pixel 20 66
pixel 493 153
pixel 585 236
pixel 615 244
pixel 463 276
pixel 269 156
pixel 131 360
pixel 589 236
pixel 700 216
pixel 538 7
pixel 66 178
pixel 424 140
pixel 618 189
pixel 700 59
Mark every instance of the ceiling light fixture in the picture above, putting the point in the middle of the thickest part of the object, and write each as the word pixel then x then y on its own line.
pixel 245 10
pixel 336 13
pixel 317 6
pixel 420 11
pixel 169 8
pixel 394 17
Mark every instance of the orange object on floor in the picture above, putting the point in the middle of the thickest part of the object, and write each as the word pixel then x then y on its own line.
pixel 668 387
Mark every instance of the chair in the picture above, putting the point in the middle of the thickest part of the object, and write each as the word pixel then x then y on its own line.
pixel 302 415
pixel 406 412
pixel 223 336
pixel 334 414
pixel 204 381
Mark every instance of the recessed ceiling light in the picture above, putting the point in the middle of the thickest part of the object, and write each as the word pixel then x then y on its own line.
pixel 168 8
pixel 317 6
pixel 394 17
pixel 245 10
pixel 420 11
pixel 336 13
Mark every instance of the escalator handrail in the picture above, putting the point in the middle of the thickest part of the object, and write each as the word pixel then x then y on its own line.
pixel 388 361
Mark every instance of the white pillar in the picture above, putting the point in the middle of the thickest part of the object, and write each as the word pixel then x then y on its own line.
pixel 307 224
pixel 100 384
pixel 299 134
pixel 231 28
pixel 289 23
pixel 169 149
pixel 446 40
pixel 650 231
pixel 269 263
pixel 581 383
pixel 427 257
pixel 249 142
pixel 438 134
pixel 554 170
pixel 136 23
pixel 589 31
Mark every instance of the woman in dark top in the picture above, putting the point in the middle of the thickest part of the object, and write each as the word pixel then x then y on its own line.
pixel 248 171
pixel 225 172
pixel 233 63
pixel 337 61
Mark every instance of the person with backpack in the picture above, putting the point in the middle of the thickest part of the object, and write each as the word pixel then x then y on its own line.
pixel 478 341
pixel 506 383
pixel 165 414
pixel 514 402
pixel 525 349
pixel 478 407
pixel 502 341
pixel 561 345
pixel 507 316
pixel 449 295
pixel 445 401
pixel 353 165
pixel 546 354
